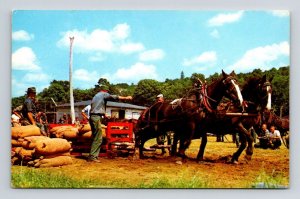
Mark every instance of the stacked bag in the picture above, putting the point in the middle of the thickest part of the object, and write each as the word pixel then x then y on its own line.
pixel 82 131
pixel 31 148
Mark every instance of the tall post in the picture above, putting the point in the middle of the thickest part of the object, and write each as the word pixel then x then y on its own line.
pixel 70 81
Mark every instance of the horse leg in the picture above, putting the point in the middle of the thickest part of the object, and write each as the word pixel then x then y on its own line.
pixel 161 141
pixel 202 148
pixel 174 145
pixel 141 147
pixel 186 141
pixel 241 148
pixel 169 141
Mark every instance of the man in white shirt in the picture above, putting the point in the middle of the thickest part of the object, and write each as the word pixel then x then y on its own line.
pixel 274 138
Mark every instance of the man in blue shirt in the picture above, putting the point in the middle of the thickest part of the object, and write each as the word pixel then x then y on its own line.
pixel 97 113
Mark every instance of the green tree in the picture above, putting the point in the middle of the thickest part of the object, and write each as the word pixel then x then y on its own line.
pixel 58 90
pixel 146 92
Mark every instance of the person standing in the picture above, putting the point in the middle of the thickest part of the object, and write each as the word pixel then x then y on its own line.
pixel 97 113
pixel 160 98
pixel 29 110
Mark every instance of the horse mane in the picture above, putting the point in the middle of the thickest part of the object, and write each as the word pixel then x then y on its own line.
pixel 249 88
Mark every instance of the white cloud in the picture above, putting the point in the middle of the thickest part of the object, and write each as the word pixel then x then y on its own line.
pixel 135 73
pixel 22 35
pixel 222 19
pixel 101 40
pixel 209 57
pixel 280 13
pixel 36 77
pixel 97 40
pixel 131 48
pixel 121 31
pixel 151 55
pixel 24 59
pixel 215 33
pixel 86 76
pixel 262 57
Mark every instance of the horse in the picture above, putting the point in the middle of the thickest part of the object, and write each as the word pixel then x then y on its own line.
pixel 257 95
pixel 182 115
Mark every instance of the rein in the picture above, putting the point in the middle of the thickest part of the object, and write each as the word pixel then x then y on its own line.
pixel 206 99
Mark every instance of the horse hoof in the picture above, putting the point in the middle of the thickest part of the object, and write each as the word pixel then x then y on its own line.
pixel 248 157
pixel 235 162
pixel 179 162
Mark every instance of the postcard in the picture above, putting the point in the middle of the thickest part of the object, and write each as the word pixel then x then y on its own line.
pixel 150 99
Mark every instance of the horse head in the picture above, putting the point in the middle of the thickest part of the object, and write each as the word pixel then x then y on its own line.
pixel 258 91
pixel 265 92
pixel 227 86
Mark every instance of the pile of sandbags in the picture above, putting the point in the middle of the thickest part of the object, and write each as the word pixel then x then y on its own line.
pixel 51 153
pixel 29 148
pixel 69 132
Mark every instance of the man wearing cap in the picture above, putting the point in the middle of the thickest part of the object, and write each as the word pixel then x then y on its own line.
pixel 97 112
pixel 160 98
pixel 29 110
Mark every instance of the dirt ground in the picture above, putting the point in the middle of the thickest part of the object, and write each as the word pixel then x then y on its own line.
pixel 214 170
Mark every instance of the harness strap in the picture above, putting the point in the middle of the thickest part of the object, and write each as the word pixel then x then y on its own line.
pixel 205 99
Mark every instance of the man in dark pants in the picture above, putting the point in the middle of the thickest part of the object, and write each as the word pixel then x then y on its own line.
pixel 97 114
pixel 29 110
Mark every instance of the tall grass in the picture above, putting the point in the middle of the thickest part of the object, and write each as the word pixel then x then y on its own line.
pixel 33 178
pixel 269 181
pixel 36 178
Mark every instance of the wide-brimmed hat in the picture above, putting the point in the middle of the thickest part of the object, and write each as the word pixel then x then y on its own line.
pixel 159 96
pixel 31 90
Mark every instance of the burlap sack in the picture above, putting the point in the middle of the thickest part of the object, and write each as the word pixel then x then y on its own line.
pixel 30 142
pixel 86 135
pixel 84 128
pixel 60 131
pixel 70 133
pixel 52 146
pixel 53 155
pixel 54 162
pixel 25 154
pixel 16 143
pixel 25 131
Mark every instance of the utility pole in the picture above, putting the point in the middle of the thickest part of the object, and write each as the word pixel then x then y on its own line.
pixel 70 81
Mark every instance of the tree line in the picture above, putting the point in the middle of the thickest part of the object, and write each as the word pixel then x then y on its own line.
pixel 146 90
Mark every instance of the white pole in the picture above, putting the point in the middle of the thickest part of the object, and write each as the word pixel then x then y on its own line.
pixel 71 84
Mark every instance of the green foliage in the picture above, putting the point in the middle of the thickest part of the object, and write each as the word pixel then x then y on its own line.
pixel 58 90
pixel 17 101
pixel 146 92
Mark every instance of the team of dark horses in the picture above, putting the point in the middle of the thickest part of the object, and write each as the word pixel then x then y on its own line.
pixel 199 112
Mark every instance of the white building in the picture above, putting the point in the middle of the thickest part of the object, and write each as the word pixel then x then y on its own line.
pixel 113 110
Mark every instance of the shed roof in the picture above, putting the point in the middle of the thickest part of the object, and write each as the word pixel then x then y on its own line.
pixel 109 104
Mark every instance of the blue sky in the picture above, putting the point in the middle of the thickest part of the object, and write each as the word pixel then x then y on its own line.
pixel 127 46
